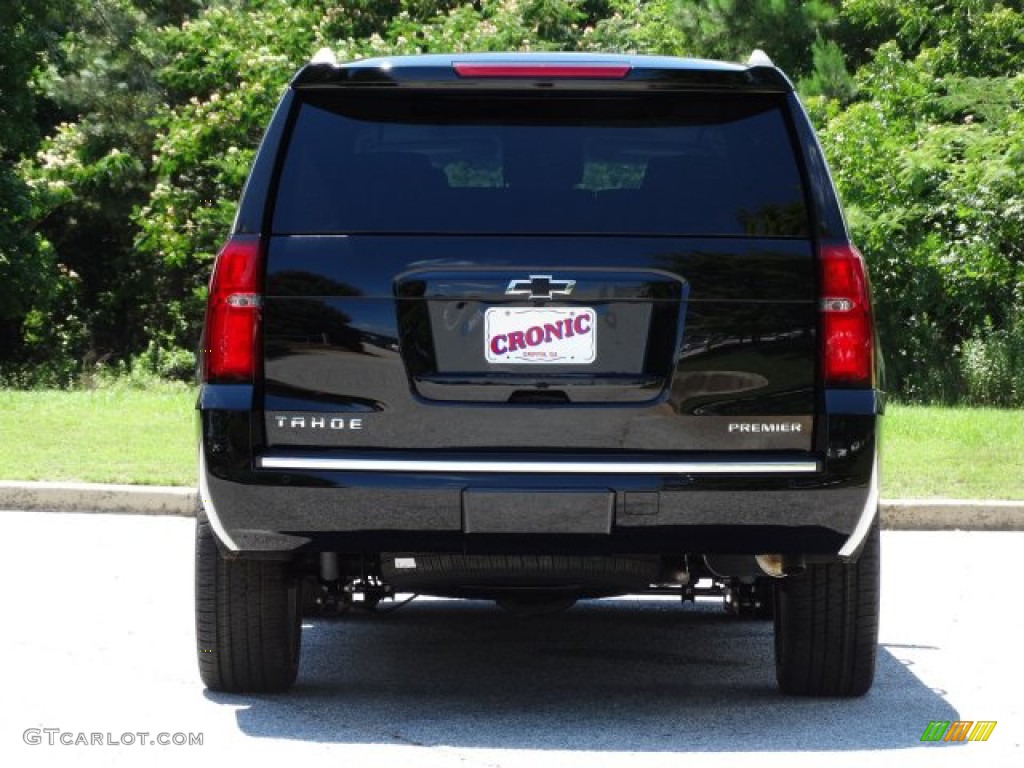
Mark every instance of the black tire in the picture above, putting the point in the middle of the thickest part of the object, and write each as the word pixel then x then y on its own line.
pixel 310 607
pixel 826 626
pixel 248 620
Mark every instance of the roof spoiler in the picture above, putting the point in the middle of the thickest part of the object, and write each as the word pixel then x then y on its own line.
pixel 759 58
pixel 528 70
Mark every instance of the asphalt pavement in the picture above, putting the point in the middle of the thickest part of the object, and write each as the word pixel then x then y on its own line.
pixel 98 642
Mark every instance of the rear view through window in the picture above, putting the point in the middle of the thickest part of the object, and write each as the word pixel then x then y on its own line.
pixel 650 164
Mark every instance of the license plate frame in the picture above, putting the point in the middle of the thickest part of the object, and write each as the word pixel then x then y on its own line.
pixel 540 335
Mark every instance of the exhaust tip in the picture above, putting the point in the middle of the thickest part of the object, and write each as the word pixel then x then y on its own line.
pixel 772 565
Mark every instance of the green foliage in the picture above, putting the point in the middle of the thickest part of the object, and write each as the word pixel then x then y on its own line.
pixel 928 166
pixel 639 27
pixel 492 25
pixel 225 70
pixel 829 78
pixel 127 128
pixel 24 257
pixel 731 29
pixel 992 365
pixel 85 180
pixel 966 37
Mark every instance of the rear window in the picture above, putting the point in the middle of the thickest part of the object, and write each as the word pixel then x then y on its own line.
pixel 663 164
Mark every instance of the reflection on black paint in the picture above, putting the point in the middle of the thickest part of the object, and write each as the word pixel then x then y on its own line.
pixel 309 323
pixel 307 284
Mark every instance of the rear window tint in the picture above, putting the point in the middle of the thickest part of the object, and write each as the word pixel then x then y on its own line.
pixel 652 164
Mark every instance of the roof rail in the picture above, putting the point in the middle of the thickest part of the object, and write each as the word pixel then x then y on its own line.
pixel 324 56
pixel 759 58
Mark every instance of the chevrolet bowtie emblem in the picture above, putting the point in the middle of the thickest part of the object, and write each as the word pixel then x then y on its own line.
pixel 540 287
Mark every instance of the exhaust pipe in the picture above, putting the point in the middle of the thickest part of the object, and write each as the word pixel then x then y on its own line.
pixel 752 566
pixel 329 571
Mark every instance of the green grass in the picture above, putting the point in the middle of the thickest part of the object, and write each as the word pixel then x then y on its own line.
pixel 956 452
pixel 124 435
pixel 108 435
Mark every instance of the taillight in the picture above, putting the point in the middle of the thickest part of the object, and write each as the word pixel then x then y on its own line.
pixel 233 313
pixel 541 71
pixel 847 338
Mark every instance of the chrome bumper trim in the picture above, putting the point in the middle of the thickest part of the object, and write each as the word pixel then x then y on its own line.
pixel 208 508
pixel 867 517
pixel 541 467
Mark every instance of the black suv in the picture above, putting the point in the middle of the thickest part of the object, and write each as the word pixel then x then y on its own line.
pixel 534 328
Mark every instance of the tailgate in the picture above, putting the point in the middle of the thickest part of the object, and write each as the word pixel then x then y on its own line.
pixel 678 355
pixel 617 272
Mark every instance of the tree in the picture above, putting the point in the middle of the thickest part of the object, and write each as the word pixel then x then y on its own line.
pixel 28 283
pixel 151 111
pixel 928 166
pixel 731 29
pixel 93 170
pixel 966 37
pixel 225 72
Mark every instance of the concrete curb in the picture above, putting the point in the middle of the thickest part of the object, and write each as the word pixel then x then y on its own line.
pixel 952 514
pixel 898 514
pixel 97 497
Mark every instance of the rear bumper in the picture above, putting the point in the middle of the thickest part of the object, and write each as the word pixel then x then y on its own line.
pixel 262 512
pixel 264 502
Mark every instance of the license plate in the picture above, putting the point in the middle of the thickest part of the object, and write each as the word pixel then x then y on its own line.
pixel 540 335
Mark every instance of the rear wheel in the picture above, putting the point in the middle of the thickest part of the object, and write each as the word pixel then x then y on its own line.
pixel 826 626
pixel 248 615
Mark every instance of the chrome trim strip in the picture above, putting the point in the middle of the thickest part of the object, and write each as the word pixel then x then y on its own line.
pixel 211 513
pixel 541 467
pixel 867 516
